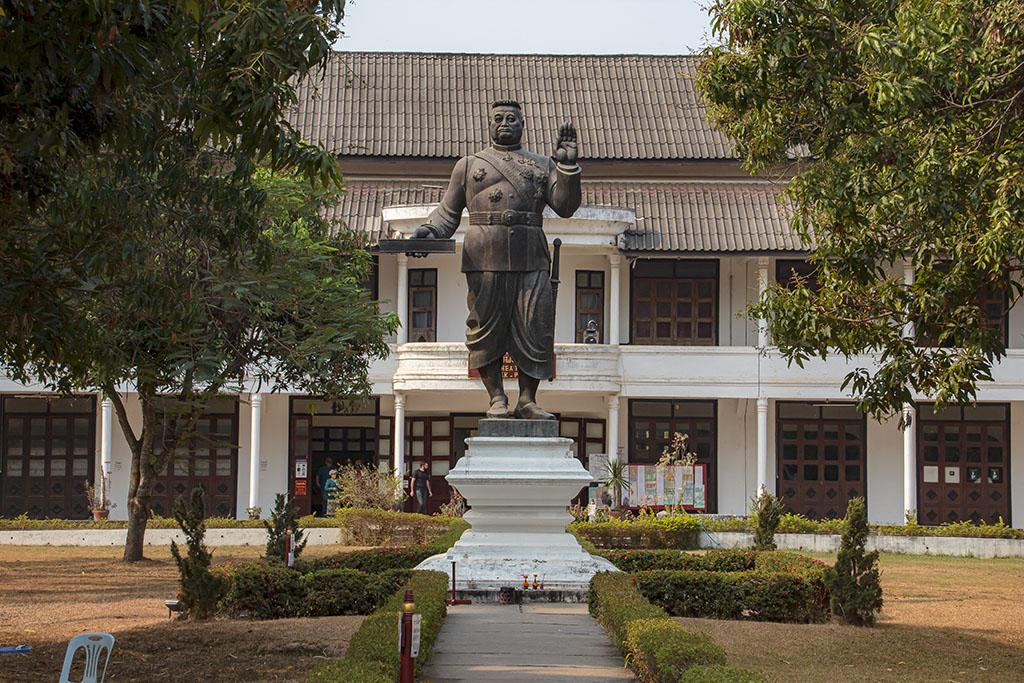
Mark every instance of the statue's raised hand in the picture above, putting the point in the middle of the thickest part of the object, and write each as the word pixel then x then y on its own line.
pixel 566 151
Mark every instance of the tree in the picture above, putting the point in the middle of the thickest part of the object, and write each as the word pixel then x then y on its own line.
pixel 284 519
pixel 197 304
pixel 141 246
pixel 200 589
pixel 900 129
pixel 855 589
pixel 126 79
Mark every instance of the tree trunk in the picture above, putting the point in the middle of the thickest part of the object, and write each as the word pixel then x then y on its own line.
pixel 133 540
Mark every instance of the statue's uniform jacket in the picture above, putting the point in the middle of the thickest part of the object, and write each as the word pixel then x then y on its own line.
pixel 492 245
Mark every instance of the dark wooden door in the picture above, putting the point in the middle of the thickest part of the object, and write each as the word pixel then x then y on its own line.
pixel 820 460
pixel 963 464
pixel 206 460
pixel 429 439
pixel 47 456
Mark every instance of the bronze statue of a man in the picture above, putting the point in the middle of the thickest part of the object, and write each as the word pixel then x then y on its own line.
pixel 505 254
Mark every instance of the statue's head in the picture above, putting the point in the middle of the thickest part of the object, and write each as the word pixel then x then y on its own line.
pixel 506 122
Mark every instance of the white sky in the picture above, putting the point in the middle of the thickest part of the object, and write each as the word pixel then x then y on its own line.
pixel 545 26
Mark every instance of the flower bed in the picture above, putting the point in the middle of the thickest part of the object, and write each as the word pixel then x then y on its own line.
pixel 647 532
pixel 372 655
pixel 657 648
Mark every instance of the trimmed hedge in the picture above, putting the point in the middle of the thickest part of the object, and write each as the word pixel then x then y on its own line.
pixel 372 655
pixel 791 523
pixel 658 649
pixel 734 595
pixel 648 532
pixel 261 590
pixel 373 561
pixel 729 584
pixel 331 592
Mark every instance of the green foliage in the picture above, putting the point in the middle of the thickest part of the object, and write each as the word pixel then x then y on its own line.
pixel 656 647
pixel 756 595
pixel 767 515
pixel 649 532
pixel 854 582
pixel 200 589
pixel 372 561
pixel 373 526
pixel 910 112
pixel 370 487
pixel 731 560
pixel 616 478
pixel 283 519
pixel 261 590
pixel 372 654
pixel 330 592
pixel 162 226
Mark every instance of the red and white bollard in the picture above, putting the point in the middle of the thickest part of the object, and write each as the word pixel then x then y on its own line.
pixel 407 667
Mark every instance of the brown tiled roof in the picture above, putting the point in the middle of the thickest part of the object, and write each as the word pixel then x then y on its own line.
pixel 717 216
pixel 632 107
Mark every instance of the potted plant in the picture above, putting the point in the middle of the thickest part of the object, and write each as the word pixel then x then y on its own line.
pixel 616 479
pixel 96 494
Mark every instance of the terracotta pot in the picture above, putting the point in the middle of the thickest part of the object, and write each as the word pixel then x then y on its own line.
pixel 100 515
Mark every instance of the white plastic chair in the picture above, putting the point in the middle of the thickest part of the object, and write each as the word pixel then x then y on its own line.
pixel 94 645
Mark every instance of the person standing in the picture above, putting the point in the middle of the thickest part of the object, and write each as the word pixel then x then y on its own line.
pixel 322 475
pixel 331 489
pixel 421 487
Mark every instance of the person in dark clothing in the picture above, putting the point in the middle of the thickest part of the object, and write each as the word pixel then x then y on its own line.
pixel 421 487
pixel 322 475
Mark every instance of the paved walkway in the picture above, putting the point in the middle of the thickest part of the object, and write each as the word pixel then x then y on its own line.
pixel 550 642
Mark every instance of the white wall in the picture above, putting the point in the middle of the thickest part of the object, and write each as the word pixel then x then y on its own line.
pixel 121 456
pixel 1016 469
pixel 885 472
pixel 737 454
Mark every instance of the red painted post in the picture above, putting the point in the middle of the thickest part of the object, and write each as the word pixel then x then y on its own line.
pixel 407 668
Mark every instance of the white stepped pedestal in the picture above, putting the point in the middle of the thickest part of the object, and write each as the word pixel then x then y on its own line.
pixel 518 476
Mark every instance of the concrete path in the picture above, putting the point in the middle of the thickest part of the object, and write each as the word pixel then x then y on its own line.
pixel 550 643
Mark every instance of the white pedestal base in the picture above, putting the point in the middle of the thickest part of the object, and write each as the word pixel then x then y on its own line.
pixel 518 487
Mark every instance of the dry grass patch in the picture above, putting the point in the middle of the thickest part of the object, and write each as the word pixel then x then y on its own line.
pixel 945 619
pixel 49 594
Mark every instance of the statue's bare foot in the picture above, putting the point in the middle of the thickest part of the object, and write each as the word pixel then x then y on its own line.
pixel 532 411
pixel 498 409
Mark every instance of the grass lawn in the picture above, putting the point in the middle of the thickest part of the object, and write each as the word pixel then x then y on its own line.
pixel 944 619
pixel 49 594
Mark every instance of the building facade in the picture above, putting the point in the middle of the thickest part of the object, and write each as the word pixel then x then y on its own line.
pixel 673 241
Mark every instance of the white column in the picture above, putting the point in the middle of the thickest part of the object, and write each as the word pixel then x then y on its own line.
pixel 256 406
pixel 403 299
pixel 399 445
pixel 106 433
pixel 909 461
pixel 762 287
pixel 614 304
pixel 909 428
pixel 762 446
pixel 613 427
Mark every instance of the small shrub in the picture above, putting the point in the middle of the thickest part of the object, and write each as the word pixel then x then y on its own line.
pixel 767 513
pixel 384 527
pixel 200 589
pixel 283 518
pixel 369 488
pixel 371 561
pixel 330 592
pixel 853 582
pixel 261 590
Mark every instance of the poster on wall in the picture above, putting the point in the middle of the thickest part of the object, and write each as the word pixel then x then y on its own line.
pixel 660 485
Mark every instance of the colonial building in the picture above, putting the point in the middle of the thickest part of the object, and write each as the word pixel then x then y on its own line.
pixel 673 241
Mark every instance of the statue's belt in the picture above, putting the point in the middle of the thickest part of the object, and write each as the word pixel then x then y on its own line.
pixel 508 217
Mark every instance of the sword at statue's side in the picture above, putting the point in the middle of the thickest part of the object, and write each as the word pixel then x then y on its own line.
pixel 554 274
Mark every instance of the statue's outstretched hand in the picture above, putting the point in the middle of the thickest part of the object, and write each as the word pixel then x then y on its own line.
pixel 566 151
pixel 422 233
